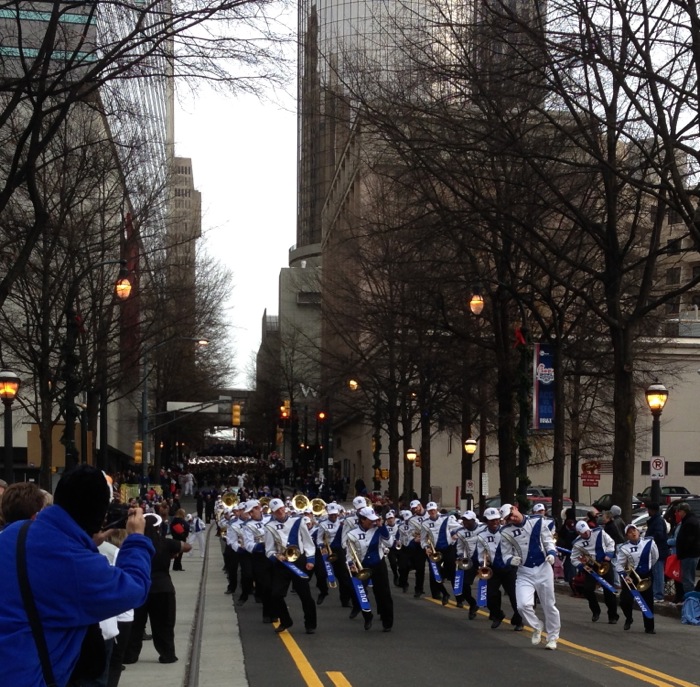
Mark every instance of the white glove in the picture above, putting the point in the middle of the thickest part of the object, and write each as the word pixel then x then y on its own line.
pixel 550 559
pixel 516 561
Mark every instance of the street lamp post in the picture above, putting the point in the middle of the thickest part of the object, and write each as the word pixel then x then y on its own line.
pixel 470 446
pixel 9 386
pixel 656 396
pixel 411 455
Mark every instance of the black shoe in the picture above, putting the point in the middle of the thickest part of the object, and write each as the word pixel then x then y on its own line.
pixel 418 595
pixel 518 628
pixel 321 599
pixel 396 580
pixel 496 623
pixel 147 637
pixel 628 624
pixel 258 600
pixel 229 591
pixel 613 620
pixel 386 629
pixel 241 600
pixel 310 630
pixel 460 604
pixel 595 618
pixel 267 620
pixel 404 588
pixel 445 599
pixel 650 631
pixel 167 659
pixel 282 627
pixel 347 604
pixel 368 621
pixel 472 612
pixel 354 613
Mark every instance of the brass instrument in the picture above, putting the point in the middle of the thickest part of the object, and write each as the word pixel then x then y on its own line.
pixel 301 502
pixel 229 500
pixel 318 507
pixel 588 561
pixel 634 581
pixel 485 571
pixel 265 503
pixel 433 555
pixel 326 548
pixel 360 573
pixel 465 564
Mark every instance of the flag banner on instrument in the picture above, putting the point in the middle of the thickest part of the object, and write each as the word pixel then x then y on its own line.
pixel 601 581
pixel 646 611
pixel 436 572
pixel 295 570
pixel 481 593
pixel 329 571
pixel 459 582
pixel 361 594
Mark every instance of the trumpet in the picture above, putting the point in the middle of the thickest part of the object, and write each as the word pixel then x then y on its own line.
pixel 601 568
pixel 360 573
pixel 466 564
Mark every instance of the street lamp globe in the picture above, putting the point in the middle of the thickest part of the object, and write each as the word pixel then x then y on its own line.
pixel 411 455
pixel 353 385
pixel 470 446
pixel 476 304
pixel 656 396
pixel 9 385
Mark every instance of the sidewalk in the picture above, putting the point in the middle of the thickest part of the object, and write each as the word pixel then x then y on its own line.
pixel 210 652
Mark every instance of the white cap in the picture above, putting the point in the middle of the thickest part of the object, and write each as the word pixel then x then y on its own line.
pixel 431 505
pixel 538 508
pixel 332 509
pixel 582 527
pixel 469 515
pixel 390 514
pixel 615 510
pixel 415 503
pixel 492 514
pixel 249 505
pixel 368 513
pixel 276 504
pixel 506 510
pixel 359 502
pixel 630 527
pixel 406 514
pixel 188 517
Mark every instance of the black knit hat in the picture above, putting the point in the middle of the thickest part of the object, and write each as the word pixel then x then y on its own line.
pixel 84 494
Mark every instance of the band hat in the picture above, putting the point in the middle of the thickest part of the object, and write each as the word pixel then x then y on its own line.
pixel 332 509
pixel 415 503
pixel 582 527
pixel 506 510
pixel 249 505
pixel 276 504
pixel 359 502
pixel 538 508
pixel 492 514
pixel 368 513
pixel 431 505
pixel 406 514
pixel 631 527
pixel 390 514
pixel 615 510
pixel 188 517
pixel 469 515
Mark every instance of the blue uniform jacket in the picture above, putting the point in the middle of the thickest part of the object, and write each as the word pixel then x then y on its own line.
pixel 73 586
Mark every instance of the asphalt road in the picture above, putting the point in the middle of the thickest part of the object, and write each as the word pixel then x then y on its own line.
pixel 432 645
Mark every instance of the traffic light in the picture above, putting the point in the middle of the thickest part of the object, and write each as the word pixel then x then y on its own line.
pixel 138 452
pixel 236 415
pixel 284 411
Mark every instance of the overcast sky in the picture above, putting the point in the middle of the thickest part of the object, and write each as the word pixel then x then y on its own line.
pixel 244 163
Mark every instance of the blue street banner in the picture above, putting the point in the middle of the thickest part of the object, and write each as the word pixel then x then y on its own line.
pixel 543 387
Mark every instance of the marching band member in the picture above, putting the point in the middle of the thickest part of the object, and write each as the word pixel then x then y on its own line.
pixel 538 511
pixel 489 555
pixel 527 544
pixel 350 522
pixel 634 562
pixel 415 557
pixel 245 560
pixel 254 544
pixel 392 556
pixel 328 537
pixel 466 550
pixel 436 540
pixel 590 547
pixel 231 544
pixel 281 533
pixel 404 537
pixel 366 544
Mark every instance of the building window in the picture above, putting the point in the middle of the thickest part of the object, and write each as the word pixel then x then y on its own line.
pixel 673 247
pixel 673 276
pixel 673 216
pixel 691 468
pixel 673 307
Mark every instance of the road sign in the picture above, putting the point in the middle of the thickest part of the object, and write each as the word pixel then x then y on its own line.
pixel 657 467
pixel 590 480
pixel 469 486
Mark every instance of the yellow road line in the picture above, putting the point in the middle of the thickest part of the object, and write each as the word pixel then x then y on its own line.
pixel 641 676
pixel 338 679
pixel 307 672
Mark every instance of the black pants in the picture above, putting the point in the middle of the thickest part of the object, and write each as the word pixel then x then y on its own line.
pixel 589 585
pixel 382 593
pixel 446 568
pixel 412 557
pixel 231 561
pixel 282 577
pixel 466 595
pixel 118 651
pixel 160 610
pixel 245 561
pixel 262 578
pixel 627 603
pixel 502 578
pixel 393 558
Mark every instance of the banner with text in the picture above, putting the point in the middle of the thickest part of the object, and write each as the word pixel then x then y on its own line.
pixel 543 387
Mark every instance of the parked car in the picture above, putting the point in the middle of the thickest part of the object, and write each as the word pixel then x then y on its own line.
pixel 641 518
pixel 495 502
pixel 540 491
pixel 670 513
pixel 668 493
pixel 605 502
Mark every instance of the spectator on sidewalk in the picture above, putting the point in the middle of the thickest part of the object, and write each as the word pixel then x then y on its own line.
pixel 656 529
pixel 688 545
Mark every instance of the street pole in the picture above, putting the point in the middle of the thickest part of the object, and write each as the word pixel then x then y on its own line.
pixel 144 424
pixel 656 451
pixel 9 453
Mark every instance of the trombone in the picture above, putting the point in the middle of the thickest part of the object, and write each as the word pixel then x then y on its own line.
pixel 485 571
pixel 601 568
pixel 326 548
pixel 360 573
pixel 434 555
pixel 633 580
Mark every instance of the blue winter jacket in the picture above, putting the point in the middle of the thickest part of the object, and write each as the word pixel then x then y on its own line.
pixel 73 586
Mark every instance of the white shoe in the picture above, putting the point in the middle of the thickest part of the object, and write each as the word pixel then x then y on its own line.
pixel 536 637
pixel 551 645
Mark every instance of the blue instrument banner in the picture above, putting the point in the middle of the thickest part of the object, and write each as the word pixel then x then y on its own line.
pixel 329 570
pixel 481 593
pixel 361 594
pixel 436 572
pixel 458 586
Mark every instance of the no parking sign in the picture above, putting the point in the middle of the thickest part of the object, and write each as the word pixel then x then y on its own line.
pixel 657 467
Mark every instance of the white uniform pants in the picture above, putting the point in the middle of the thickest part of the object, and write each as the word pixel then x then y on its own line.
pixel 199 538
pixel 538 580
